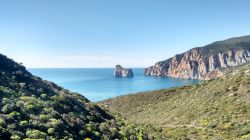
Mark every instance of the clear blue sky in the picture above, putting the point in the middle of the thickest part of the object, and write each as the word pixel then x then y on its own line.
pixel 102 33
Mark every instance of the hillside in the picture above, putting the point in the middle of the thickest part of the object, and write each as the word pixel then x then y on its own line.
pixel 205 63
pixel 215 109
pixel 32 108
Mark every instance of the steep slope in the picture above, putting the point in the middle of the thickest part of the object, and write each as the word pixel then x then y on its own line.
pixel 215 109
pixel 208 62
pixel 36 109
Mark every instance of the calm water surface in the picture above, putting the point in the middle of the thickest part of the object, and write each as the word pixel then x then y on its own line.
pixel 99 83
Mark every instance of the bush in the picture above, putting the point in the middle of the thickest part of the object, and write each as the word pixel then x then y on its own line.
pixel 15 137
pixel 8 108
pixel 51 130
pixel 36 134
pixel 55 123
pixel 2 122
pixel 24 123
pixel 97 134
pixel 15 115
pixel 43 117
pixel 43 96
pixel 82 132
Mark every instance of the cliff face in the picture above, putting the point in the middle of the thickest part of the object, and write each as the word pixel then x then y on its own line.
pixel 122 72
pixel 205 63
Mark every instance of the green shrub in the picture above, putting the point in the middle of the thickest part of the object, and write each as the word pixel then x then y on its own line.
pixel 15 137
pixel 24 123
pixel 82 132
pixel 36 134
pixel 43 96
pixel 15 115
pixel 2 122
pixel 55 123
pixel 97 134
pixel 51 131
pixel 43 117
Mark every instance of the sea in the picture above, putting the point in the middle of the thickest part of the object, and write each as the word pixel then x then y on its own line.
pixel 98 84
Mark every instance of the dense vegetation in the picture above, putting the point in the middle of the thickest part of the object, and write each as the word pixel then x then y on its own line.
pixel 31 108
pixel 216 109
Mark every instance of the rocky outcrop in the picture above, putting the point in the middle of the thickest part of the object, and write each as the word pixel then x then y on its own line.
pixel 205 63
pixel 122 72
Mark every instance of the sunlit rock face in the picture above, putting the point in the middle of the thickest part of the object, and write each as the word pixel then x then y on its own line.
pixel 205 63
pixel 123 72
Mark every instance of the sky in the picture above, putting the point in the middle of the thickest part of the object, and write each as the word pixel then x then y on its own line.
pixel 103 33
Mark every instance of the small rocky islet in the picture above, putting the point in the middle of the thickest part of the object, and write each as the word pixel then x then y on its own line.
pixel 123 72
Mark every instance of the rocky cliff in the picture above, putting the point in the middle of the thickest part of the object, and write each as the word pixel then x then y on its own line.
pixel 208 62
pixel 122 72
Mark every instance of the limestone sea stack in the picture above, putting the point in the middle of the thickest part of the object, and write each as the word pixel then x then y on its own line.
pixel 205 63
pixel 123 72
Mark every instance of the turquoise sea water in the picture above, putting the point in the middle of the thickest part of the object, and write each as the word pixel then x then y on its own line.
pixel 99 83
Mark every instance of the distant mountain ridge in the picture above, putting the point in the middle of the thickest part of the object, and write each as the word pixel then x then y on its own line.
pixel 208 62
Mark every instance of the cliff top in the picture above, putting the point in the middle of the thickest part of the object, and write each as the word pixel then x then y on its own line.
pixel 236 43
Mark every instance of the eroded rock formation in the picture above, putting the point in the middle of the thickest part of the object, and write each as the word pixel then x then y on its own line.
pixel 205 63
pixel 123 72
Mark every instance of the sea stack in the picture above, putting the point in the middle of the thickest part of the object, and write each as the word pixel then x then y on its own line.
pixel 123 72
